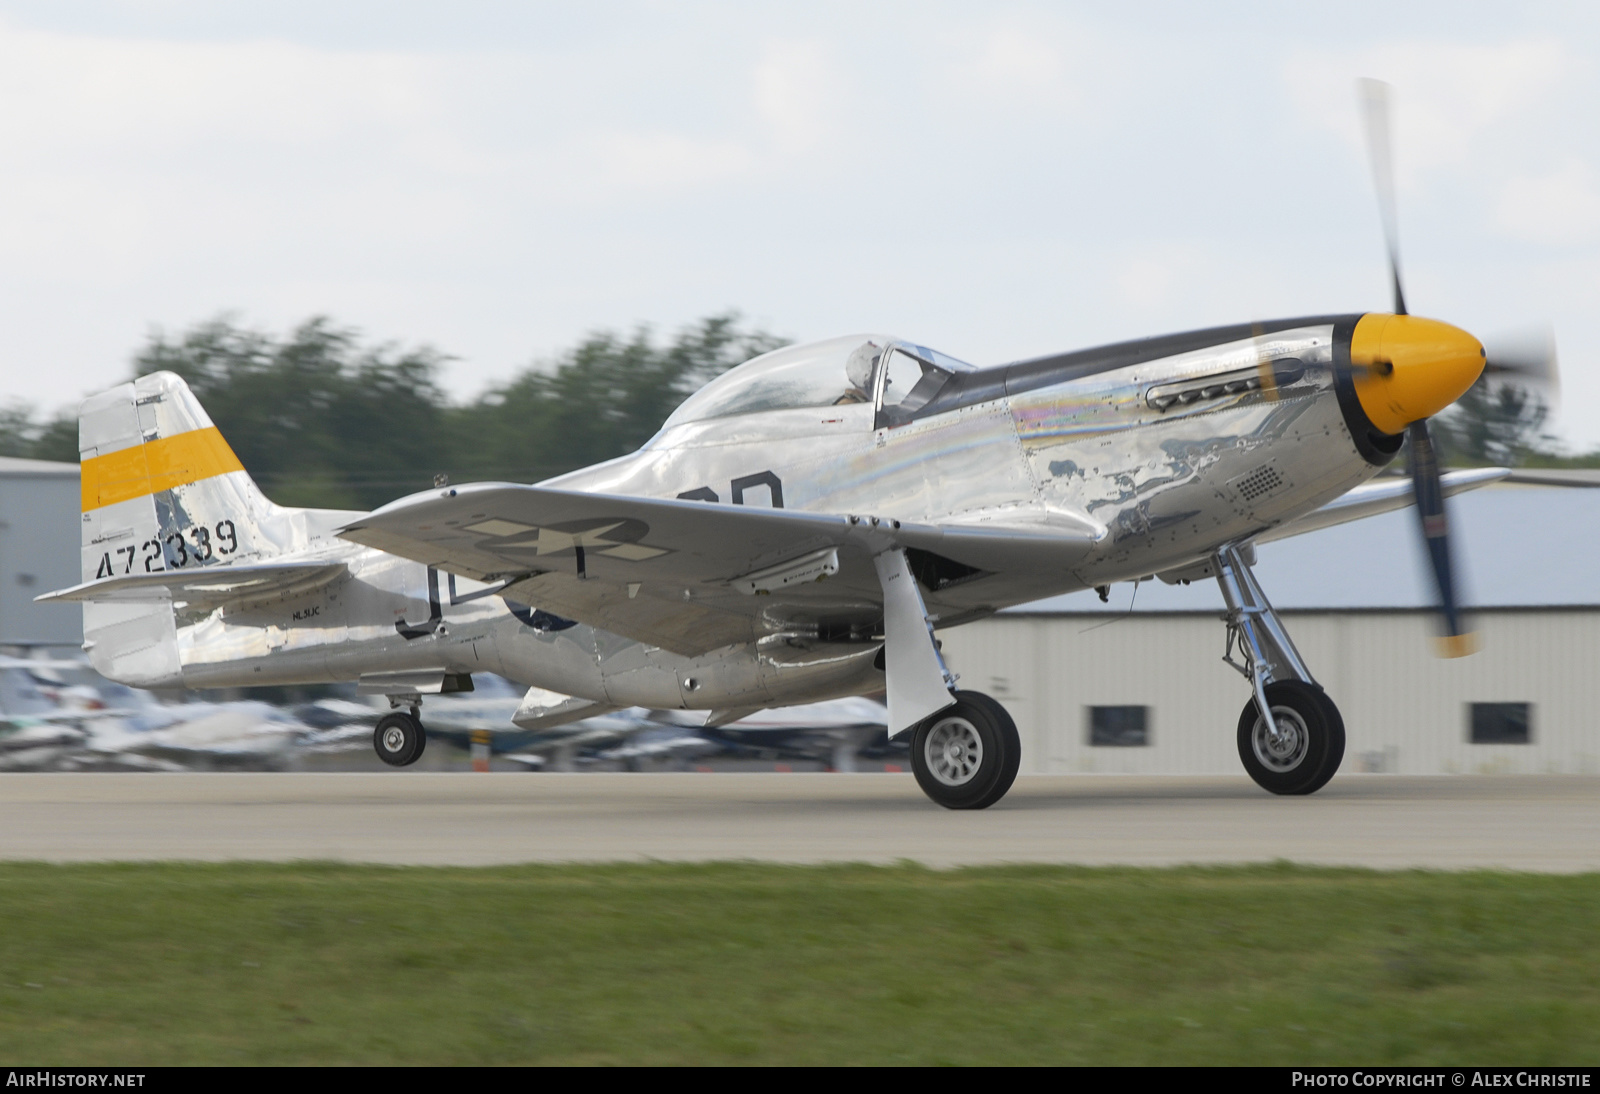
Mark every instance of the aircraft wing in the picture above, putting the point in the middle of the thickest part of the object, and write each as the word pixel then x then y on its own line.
pixel 1380 496
pixel 688 576
pixel 230 585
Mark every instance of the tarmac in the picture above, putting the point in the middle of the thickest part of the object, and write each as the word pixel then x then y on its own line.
pixel 1530 823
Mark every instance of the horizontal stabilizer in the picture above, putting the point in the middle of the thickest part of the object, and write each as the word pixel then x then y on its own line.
pixel 230 586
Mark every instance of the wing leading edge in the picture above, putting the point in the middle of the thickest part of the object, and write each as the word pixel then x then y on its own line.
pixel 1382 496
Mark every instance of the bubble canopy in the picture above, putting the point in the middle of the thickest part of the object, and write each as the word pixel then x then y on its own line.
pixel 834 372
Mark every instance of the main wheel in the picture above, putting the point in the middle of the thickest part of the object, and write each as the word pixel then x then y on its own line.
pixel 399 739
pixel 1310 742
pixel 967 755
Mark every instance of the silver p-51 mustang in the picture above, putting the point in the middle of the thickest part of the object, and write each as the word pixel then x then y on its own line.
pixel 796 531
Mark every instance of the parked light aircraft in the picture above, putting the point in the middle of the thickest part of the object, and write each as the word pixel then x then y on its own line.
pixel 611 735
pixel 796 532
pixel 832 732
pixel 461 719
pixel 59 715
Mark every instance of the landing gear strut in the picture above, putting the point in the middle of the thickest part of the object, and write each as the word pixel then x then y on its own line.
pixel 1291 736
pixel 966 756
pixel 399 739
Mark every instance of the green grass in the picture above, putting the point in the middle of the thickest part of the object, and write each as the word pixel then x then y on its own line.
pixel 743 963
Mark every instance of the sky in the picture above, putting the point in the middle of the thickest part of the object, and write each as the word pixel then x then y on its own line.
pixel 998 180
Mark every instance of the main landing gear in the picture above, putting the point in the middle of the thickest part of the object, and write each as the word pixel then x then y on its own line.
pixel 1291 737
pixel 967 755
pixel 966 752
pixel 1305 751
pixel 399 738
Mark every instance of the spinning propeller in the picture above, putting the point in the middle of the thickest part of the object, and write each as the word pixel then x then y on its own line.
pixel 1408 369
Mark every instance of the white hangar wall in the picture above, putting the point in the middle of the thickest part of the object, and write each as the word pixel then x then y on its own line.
pixel 1404 709
pixel 39 503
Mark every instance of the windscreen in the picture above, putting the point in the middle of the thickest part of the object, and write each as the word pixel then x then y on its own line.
pixel 912 377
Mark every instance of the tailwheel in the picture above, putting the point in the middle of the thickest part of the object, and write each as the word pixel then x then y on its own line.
pixel 967 755
pixel 1309 745
pixel 399 739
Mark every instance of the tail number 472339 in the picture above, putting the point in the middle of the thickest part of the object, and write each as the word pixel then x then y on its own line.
pixel 201 546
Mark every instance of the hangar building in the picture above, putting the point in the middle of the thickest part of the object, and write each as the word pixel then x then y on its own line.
pixel 1137 685
pixel 39 506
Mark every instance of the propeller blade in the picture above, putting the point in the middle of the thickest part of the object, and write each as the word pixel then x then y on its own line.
pixel 1526 356
pixel 1375 116
pixel 1424 465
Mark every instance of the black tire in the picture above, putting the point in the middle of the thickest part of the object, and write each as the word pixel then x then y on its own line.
pixel 967 755
pixel 1335 756
pixel 1312 739
pixel 398 739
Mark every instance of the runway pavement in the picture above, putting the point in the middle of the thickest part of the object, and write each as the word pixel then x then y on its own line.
pixel 1543 823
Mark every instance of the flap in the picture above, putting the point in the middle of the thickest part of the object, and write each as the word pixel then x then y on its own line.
pixel 658 617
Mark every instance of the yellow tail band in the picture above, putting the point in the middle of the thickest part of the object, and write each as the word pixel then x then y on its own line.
pixel 156 465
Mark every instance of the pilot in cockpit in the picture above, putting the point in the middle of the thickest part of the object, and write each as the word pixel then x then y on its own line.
pixel 858 370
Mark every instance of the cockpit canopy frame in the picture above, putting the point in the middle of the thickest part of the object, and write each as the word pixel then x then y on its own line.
pixel 896 376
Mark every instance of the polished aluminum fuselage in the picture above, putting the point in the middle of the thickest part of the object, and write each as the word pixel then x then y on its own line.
pixel 1138 484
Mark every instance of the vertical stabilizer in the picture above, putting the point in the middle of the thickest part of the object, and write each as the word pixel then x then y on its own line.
pixel 161 491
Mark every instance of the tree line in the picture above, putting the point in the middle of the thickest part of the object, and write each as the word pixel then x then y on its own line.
pixel 321 419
